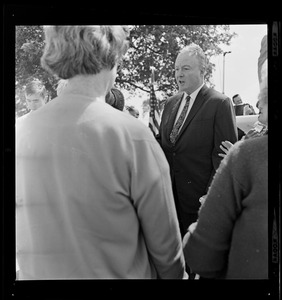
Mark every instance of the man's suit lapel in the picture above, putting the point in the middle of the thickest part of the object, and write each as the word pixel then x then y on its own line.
pixel 200 99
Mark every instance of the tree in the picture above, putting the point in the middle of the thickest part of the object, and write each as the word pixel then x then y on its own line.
pixel 158 46
pixel 150 45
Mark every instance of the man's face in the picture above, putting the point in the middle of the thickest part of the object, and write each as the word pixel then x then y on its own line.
pixel 187 73
pixel 237 100
pixel 34 101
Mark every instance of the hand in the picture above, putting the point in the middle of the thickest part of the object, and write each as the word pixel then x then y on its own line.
pixel 202 199
pixel 252 133
pixel 226 145
pixel 247 110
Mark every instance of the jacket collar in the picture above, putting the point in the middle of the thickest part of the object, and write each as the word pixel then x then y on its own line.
pixel 200 99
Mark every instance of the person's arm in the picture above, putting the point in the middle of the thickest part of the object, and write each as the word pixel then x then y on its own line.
pixel 154 203
pixel 206 245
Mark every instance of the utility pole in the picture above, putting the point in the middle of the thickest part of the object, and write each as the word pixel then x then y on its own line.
pixel 224 53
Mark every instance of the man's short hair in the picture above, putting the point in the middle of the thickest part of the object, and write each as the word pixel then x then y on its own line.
pixel 195 50
pixel 35 87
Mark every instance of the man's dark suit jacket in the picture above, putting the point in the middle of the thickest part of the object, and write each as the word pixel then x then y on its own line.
pixel 194 158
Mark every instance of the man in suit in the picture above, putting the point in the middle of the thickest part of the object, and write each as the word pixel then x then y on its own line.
pixel 191 131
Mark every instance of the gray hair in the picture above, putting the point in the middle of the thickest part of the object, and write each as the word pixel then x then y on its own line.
pixel 195 50
pixel 83 50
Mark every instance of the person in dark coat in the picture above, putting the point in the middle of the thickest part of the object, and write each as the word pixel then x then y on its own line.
pixel 192 147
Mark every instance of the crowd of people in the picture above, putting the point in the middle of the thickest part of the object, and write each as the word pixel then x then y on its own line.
pixel 99 196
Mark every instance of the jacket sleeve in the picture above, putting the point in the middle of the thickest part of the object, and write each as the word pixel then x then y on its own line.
pixel 161 129
pixel 154 203
pixel 224 130
pixel 207 243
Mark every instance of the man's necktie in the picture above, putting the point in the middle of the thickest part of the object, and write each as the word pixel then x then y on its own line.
pixel 174 133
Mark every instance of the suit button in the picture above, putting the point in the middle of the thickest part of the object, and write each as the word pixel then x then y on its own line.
pixel 173 153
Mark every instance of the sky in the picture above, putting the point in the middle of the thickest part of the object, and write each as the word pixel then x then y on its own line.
pixel 241 75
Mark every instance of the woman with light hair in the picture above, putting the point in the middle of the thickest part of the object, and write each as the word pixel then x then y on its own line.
pixel 92 182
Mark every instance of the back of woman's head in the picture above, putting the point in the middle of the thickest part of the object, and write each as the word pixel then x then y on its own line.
pixel 83 50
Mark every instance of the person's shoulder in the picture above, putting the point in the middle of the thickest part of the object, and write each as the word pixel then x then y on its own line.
pixel 211 93
pixel 22 117
pixel 20 120
pixel 172 99
pixel 256 144
pixel 120 121
pixel 250 148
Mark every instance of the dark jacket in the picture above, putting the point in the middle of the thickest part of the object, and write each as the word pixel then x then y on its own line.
pixel 230 239
pixel 194 158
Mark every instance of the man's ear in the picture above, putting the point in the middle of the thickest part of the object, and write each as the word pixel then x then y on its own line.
pixel 203 72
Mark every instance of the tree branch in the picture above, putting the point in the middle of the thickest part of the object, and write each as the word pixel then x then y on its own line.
pixel 133 84
pixel 154 51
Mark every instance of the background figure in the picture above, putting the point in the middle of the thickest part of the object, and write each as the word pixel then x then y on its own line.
pixel 230 239
pixel 115 98
pixel 132 111
pixel 92 182
pixel 35 96
pixel 238 105
pixel 261 126
pixel 248 110
pixel 241 108
pixel 208 119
